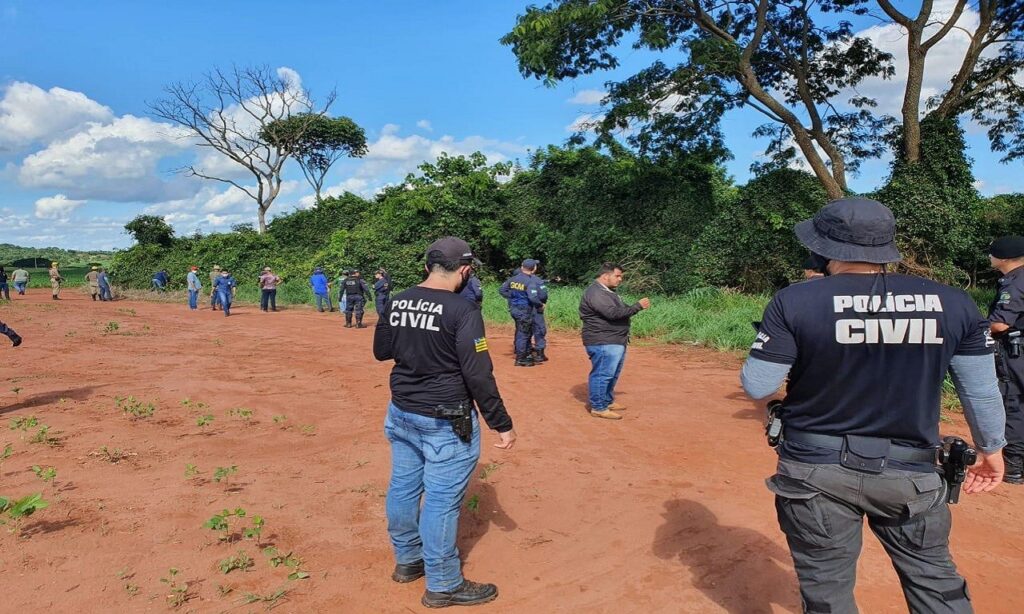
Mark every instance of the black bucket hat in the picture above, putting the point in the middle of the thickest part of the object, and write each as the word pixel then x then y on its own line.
pixel 851 230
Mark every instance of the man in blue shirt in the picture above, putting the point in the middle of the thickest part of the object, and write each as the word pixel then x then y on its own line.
pixel 523 295
pixel 104 281
pixel 321 289
pixel 473 292
pixel 225 289
pixel 540 328
pixel 865 352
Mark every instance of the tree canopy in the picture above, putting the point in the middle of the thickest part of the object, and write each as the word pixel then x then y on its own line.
pixel 317 142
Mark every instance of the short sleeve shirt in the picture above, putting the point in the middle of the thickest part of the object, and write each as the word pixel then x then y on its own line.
pixel 1008 304
pixel 869 353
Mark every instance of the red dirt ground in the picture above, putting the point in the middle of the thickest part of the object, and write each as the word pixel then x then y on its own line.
pixel 664 511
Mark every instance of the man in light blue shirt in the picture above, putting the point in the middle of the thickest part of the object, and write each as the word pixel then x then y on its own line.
pixel 194 286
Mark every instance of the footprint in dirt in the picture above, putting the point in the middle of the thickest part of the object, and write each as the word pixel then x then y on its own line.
pixel 740 569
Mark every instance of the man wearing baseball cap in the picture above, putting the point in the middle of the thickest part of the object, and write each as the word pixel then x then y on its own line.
pixel 1007 317
pixel 522 291
pixel 866 352
pixel 442 365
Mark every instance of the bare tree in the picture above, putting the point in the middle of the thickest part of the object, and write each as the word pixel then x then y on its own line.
pixel 228 111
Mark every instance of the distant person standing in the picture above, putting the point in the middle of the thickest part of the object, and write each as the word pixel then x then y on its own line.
pixel 521 291
pixel 194 286
pixel 104 280
pixel 225 289
pixel 268 289
pixel 473 292
pixel 321 289
pixel 355 291
pixel 605 337
pixel 381 291
pixel 55 280
pixel 20 277
pixel 214 298
pixel 93 279
pixel 5 290
pixel 10 334
pixel 539 340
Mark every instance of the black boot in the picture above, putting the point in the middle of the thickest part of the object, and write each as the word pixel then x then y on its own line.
pixel 348 320
pixel 409 572
pixel 359 322
pixel 524 360
pixel 468 593
pixel 539 357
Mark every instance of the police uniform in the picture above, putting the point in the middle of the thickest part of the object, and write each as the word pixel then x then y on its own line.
pixel 441 356
pixel 866 355
pixel 473 292
pixel 522 292
pixel 381 293
pixel 355 291
pixel 540 327
pixel 1008 308
pixel 10 334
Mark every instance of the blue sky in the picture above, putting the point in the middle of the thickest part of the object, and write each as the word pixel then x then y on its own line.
pixel 80 155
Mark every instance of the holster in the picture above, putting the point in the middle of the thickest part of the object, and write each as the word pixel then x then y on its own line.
pixel 867 454
pixel 461 417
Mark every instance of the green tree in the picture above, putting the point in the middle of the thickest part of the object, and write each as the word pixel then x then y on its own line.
pixel 793 61
pixel 317 142
pixel 150 230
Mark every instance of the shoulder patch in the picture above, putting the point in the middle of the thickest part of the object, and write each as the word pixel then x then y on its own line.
pixel 480 344
pixel 1004 297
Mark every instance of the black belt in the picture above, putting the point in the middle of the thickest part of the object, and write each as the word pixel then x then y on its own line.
pixel 833 442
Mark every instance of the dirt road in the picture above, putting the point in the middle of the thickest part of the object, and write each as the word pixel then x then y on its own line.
pixel 664 511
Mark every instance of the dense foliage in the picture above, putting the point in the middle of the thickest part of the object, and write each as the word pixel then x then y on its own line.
pixel 677 223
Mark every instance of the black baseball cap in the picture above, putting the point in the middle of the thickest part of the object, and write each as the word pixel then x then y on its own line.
pixel 1007 248
pixel 852 230
pixel 452 249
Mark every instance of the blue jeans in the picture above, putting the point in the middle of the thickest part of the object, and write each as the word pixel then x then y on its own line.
pixel 20 286
pixel 321 299
pixel 428 460
pixel 105 294
pixel 224 297
pixel 605 367
pixel 5 291
pixel 193 299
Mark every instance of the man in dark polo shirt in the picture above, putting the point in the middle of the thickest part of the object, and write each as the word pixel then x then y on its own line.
pixel 442 365
pixel 605 336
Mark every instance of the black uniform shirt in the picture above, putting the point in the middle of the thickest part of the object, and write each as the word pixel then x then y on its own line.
pixel 868 355
pixel 1008 304
pixel 354 286
pixel 437 341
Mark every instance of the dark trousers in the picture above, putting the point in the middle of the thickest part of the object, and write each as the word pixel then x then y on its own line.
pixel 354 304
pixel 821 509
pixel 1011 385
pixel 214 299
pixel 381 304
pixel 540 331
pixel 322 299
pixel 523 317
pixel 5 290
pixel 268 297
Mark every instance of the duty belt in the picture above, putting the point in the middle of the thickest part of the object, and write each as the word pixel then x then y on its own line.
pixel 832 442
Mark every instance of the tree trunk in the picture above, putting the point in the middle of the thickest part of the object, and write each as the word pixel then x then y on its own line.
pixel 912 98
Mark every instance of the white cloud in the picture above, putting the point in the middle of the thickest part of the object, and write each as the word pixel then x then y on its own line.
pixel 356 185
pixel 57 206
pixel 585 123
pixel 30 114
pixel 116 161
pixel 424 124
pixel 587 97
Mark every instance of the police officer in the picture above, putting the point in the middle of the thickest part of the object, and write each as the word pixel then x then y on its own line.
pixel 866 352
pixel 523 294
pixel 539 340
pixel 381 291
pixel 355 291
pixel 1007 317
pixel 439 346
pixel 474 291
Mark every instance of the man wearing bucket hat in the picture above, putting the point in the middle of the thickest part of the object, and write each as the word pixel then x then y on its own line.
pixel 55 280
pixel 92 278
pixel 442 365
pixel 1007 317
pixel 865 352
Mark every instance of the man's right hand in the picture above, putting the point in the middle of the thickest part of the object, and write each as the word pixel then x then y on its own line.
pixel 986 474
pixel 645 303
pixel 508 439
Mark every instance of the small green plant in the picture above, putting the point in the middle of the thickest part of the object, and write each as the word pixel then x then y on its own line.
pixel 270 599
pixel 43 436
pixel 309 429
pixel 112 456
pixel 8 450
pixel 202 421
pixel 133 407
pixel 276 559
pixel 16 390
pixel 178 593
pixel 127 311
pixel 191 405
pixel 23 424
pixel 111 327
pixel 241 412
pixel 221 474
pixel 219 522
pixel 488 470
pixel 46 474
pixel 473 503
pixel 191 470
pixel 223 590
pixel 240 561
pixel 280 419
pixel 19 509
pixel 256 530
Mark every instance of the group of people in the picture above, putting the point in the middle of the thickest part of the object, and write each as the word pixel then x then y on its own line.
pixel 352 293
pixel 97 280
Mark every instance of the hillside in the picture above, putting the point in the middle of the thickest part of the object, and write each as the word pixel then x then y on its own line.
pixel 9 254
